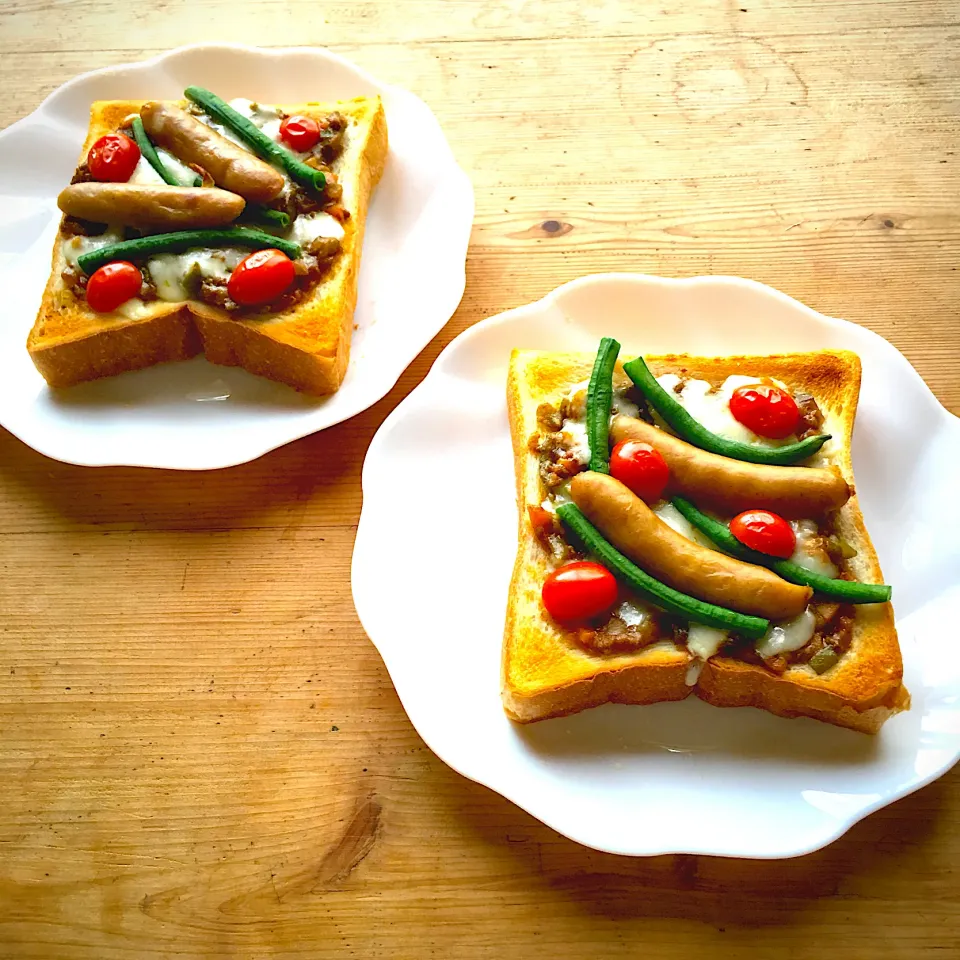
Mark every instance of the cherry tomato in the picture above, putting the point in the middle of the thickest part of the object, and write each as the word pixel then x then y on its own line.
pixel 640 467
pixel 113 158
pixel 113 284
pixel 765 532
pixel 261 277
pixel 579 591
pixel 301 133
pixel 766 410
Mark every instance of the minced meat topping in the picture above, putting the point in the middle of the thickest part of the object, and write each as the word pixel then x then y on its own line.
pixel 558 463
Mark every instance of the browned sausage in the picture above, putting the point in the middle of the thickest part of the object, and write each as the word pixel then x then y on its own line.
pixel 139 205
pixel 635 530
pixel 191 141
pixel 731 486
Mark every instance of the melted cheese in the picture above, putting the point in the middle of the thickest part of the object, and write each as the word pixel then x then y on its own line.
pixel 242 107
pixel 575 432
pixel 144 173
pixel 169 270
pixel 308 228
pixel 703 642
pixel 262 115
pixel 674 519
pixel 74 247
pixel 620 402
pixel 180 170
pixel 624 406
pixel 133 309
pixel 787 636
pixel 808 552
pixel 692 675
pixel 633 612
pixel 711 408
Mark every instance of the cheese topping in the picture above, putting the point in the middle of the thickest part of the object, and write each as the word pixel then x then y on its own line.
pixel 241 106
pixel 787 636
pixel 313 225
pixel 133 309
pixel 625 407
pixel 620 402
pixel 711 407
pixel 262 115
pixel 694 669
pixel 169 271
pixel 575 434
pixel 809 552
pixel 575 431
pixel 266 117
pixel 633 613
pixel 74 247
pixel 703 642
pixel 674 519
pixel 144 173
pixel 178 169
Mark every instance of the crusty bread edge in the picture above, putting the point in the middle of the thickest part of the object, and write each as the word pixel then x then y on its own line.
pixel 164 337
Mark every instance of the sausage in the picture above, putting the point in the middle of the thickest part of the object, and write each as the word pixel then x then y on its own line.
pixel 731 486
pixel 139 205
pixel 635 530
pixel 231 166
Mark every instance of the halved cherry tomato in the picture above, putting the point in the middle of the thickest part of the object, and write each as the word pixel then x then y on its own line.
pixel 640 467
pixel 113 284
pixel 765 532
pixel 579 591
pixel 766 410
pixel 261 277
pixel 113 158
pixel 301 133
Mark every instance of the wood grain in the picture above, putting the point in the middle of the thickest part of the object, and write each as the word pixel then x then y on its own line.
pixel 201 754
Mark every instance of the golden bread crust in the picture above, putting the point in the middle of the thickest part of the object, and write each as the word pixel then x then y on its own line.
pixel 306 347
pixel 545 673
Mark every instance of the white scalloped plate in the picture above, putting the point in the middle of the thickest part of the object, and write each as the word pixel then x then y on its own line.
pixel 194 415
pixel 436 545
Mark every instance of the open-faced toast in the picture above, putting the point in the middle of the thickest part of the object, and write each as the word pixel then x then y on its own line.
pixel 551 668
pixel 301 337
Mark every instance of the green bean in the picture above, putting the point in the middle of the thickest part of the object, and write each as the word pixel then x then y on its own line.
pixel 256 139
pixel 697 611
pixel 847 590
pixel 143 247
pixel 152 157
pixel 599 402
pixel 680 420
pixel 258 213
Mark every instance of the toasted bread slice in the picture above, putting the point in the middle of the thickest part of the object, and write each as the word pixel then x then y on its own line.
pixel 306 346
pixel 546 672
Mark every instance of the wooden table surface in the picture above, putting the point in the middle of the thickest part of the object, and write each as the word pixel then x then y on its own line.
pixel 202 755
